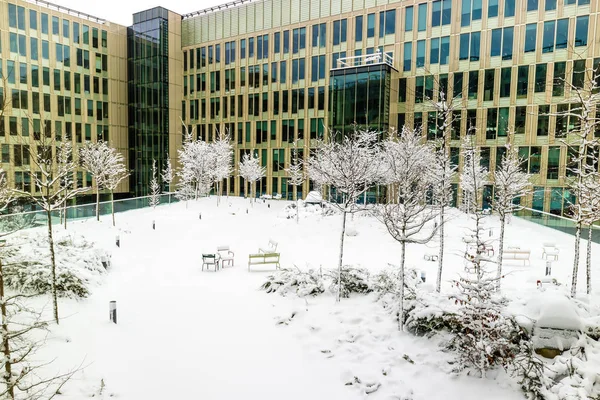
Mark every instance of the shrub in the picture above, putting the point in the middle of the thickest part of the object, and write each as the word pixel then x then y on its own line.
pixel 286 281
pixel 354 280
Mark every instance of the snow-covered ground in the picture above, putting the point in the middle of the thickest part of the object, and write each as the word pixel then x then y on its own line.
pixel 184 333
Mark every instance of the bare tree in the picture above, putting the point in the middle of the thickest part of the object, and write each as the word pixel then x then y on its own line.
pixel 167 176
pixel 296 176
pixel 251 171
pixel 590 208
pixel 583 100
pixel 116 172
pixel 222 152
pixel 511 183
pixel 154 187
pixel 350 166
pixel 48 173
pixel 196 160
pixel 409 164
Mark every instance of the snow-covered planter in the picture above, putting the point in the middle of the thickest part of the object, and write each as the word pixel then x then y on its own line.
pixel 557 327
pixel 302 283
pixel 354 280
pixel 27 264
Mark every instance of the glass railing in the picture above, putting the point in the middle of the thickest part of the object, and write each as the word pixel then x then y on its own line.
pixel 558 222
pixel 27 219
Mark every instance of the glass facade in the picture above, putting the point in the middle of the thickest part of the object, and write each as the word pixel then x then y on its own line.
pixel 361 96
pixel 148 77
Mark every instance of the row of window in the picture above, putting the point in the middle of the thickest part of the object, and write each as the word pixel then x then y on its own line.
pixel 517 78
pixel 23 179
pixel 62 80
pixel 79 34
pixel 77 131
pixel 286 101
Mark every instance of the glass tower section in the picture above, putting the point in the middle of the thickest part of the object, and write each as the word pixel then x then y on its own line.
pixel 360 95
pixel 148 78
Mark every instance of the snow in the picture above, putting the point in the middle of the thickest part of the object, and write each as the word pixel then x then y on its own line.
pixel 184 333
pixel 559 313
pixel 313 197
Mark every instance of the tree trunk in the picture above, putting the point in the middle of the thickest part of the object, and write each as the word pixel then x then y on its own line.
pixel 53 267
pixel 500 251
pixel 588 261
pixel 401 279
pixel 297 210
pixel 5 342
pixel 253 197
pixel 341 256
pixel 112 205
pixel 65 213
pixel 97 203
pixel 438 285
pixel 576 260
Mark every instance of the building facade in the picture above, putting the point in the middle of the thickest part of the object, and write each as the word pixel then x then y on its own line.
pixel 273 74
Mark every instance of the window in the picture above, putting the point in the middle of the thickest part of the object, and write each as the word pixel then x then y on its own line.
pixel 495 48
pixel 358 28
pixel 277 42
pixel 444 50
pixel 420 53
pixel 434 53
pixel 407 56
pixel 298 69
pixel 492 123
pixel 578 73
pixel 370 25
pixel 44 23
pixel 548 39
pixel 532 5
pixel 509 8
pixel 540 78
pixel 408 17
pixel 464 46
pixel 522 81
pixel 507 43
pixel 422 17
pixel 489 83
pixel 55 25
pixel 339 31
pixel 581 30
pixel 520 119
pixel 550 5
pixel 505 81
pixel 33 20
pixel 530 37
pixel 558 89
pixel 298 39
pixel 86 34
pixel 12 15
pixel 387 23
pixel 282 71
pixel 473 84
pixel 242 49
pixel 457 87
pixel 95 38
pixel 401 91
pixel 319 35
pixel 66 29
pixel 553 162
pixel 562 33
pixel 543 120
pixel 76 33
pixel 286 42
pixel 492 8
pixel 436 13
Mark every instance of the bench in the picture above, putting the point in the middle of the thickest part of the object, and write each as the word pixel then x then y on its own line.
pixel 488 248
pixel 517 254
pixel 226 255
pixel 263 258
pixel 271 247
pixel 550 250
pixel 210 259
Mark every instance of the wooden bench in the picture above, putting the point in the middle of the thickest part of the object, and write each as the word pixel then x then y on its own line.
pixel 271 247
pixel 210 259
pixel 550 250
pixel 226 255
pixel 263 258
pixel 517 254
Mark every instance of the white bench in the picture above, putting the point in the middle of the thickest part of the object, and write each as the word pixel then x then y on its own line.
pixel 263 258
pixel 550 250
pixel 517 254
pixel 271 247
pixel 430 257
pixel 226 255
pixel 211 259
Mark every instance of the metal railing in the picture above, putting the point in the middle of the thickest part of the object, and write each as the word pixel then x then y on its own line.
pixel 365 59
pixel 216 8
pixel 69 11
pixel 557 222
pixel 79 212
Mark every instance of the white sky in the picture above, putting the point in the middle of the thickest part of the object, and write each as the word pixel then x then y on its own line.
pixel 121 11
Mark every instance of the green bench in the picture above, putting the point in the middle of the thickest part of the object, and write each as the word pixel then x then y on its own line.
pixel 263 258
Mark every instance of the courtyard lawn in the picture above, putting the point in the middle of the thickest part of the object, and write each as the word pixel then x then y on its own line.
pixel 184 333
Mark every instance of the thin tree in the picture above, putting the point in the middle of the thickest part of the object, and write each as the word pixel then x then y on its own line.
pixel 409 162
pixel 93 160
pixel 251 170
pixel 116 172
pixel 167 176
pixel 154 187
pixel 296 176
pixel 222 151
pixel 351 166
pixel 583 98
pixel 511 184
pixel 197 161
pixel 590 208
pixel 48 172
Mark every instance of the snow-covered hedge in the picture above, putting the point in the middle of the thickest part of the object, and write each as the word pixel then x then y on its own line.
pixel 27 264
pixel 285 281
pixel 354 280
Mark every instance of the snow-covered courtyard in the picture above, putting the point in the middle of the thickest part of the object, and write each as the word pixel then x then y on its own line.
pixel 188 333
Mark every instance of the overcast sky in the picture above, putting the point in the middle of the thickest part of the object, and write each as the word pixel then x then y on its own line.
pixel 121 11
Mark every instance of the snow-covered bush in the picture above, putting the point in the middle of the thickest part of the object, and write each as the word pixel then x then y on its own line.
pixel 302 283
pixel 351 231
pixel 354 280
pixel 27 264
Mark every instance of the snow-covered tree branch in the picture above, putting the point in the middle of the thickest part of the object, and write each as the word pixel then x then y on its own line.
pixel 154 187
pixel 251 170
